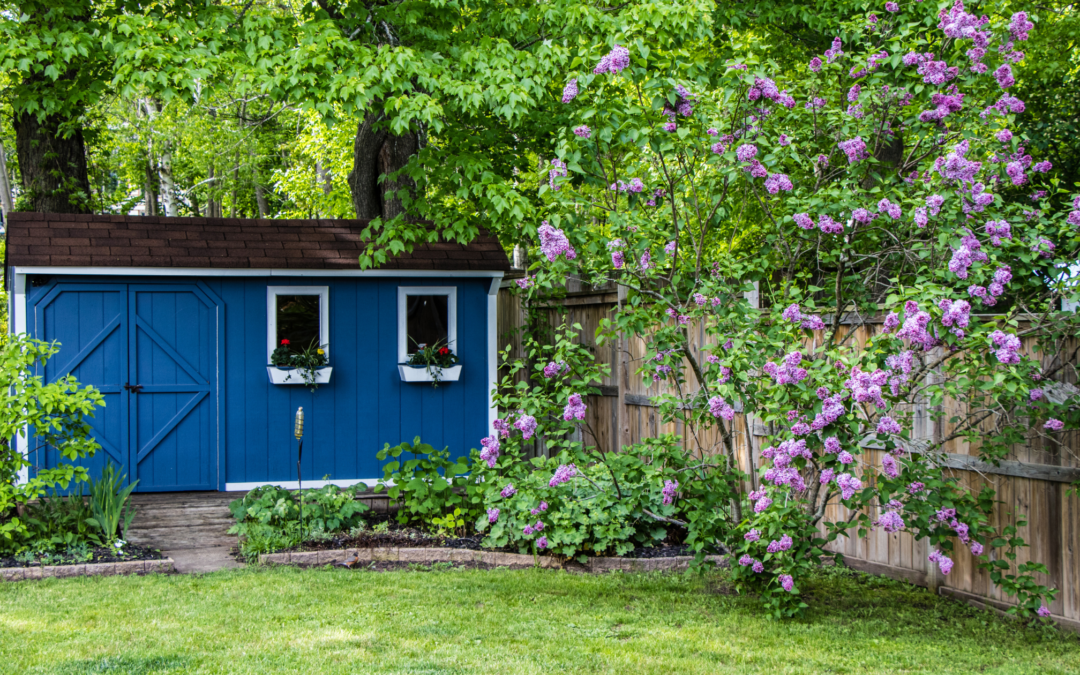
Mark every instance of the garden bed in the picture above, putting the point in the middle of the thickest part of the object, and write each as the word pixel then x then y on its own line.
pixel 98 554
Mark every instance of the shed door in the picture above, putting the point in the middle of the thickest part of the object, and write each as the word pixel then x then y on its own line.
pixel 152 350
pixel 173 365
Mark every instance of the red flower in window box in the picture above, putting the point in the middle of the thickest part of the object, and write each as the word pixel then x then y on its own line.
pixel 284 342
pixel 444 351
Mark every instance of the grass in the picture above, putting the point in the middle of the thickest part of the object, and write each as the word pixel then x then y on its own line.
pixel 286 620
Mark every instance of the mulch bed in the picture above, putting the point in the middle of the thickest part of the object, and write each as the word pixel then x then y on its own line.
pixel 402 536
pixel 132 553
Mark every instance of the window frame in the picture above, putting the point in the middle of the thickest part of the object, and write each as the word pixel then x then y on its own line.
pixel 272 293
pixel 402 315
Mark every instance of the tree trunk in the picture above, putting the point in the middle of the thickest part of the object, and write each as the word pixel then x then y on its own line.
pixel 260 194
pixel 394 155
pixel 5 186
pixel 168 187
pixel 52 164
pixel 236 182
pixel 363 179
pixel 149 194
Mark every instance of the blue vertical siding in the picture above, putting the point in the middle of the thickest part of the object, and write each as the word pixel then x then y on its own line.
pixel 347 421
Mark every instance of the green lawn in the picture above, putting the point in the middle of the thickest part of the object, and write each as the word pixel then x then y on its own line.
pixel 335 621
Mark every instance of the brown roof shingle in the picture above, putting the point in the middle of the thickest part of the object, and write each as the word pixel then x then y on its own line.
pixel 52 239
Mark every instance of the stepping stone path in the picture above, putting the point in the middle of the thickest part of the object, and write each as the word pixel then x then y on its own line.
pixel 189 527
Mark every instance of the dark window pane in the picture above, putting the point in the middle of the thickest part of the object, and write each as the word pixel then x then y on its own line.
pixel 298 320
pixel 426 322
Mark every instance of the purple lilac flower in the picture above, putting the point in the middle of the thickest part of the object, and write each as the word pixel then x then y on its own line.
pixel 893 210
pixel 1019 26
pixel 543 506
pixel 746 560
pixel 570 91
pixel 583 131
pixel 1035 394
pixel 558 170
pixel 762 504
pixel 490 453
pixel 527 425
pixel 832 445
pixel 746 152
pixel 1043 611
pixel 553 243
pixel 848 485
pixel 721 408
pixel 777 182
pixel 526 282
pixel 508 491
pixel 845 457
pixel 614 61
pixel 815 65
pixel 976 548
pixel 784 140
pixel 915 488
pixel 527 530
pixel 944 562
pixel 855 149
pixel 1004 136
pixel 493 515
pixel 787 582
pixel 1054 425
pixel 554 368
pixel 1042 167
pixel 539 526
pixel 892 7
pixel 889 466
pixel 542 543
pixel 998 230
pixel 502 427
pixel 669 490
pixel 1004 76
pixel 826 476
pixel 646 261
pixel 575 408
pixel 829 226
pixel 752 535
pixel 890 521
pixel 1008 347
pixel 758 567
pixel 563 474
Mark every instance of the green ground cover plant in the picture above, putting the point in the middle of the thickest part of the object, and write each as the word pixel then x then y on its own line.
pixel 268 518
pixel 287 620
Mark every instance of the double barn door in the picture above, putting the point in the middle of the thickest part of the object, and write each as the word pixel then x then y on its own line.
pixel 154 353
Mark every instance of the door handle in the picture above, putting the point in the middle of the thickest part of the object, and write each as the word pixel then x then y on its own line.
pixel 132 388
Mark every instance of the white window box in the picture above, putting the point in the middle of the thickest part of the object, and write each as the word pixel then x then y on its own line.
pixel 421 374
pixel 296 376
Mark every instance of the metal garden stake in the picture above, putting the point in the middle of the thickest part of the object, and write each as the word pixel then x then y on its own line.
pixel 298 431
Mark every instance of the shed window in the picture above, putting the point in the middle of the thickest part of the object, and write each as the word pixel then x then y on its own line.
pixel 426 316
pixel 299 314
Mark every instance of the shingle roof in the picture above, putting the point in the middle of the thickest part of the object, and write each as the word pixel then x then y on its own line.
pixel 68 240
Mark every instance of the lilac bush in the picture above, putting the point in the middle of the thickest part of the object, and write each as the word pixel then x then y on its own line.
pixel 865 194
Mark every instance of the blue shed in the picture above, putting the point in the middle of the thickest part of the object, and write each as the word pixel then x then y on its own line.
pixel 174 320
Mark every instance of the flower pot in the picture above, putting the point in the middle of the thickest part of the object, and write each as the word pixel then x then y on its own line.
pixel 420 373
pixel 286 375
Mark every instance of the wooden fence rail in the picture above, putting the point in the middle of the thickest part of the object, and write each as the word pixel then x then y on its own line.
pixel 1033 485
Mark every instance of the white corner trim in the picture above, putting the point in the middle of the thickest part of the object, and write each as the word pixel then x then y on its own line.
pixel 493 354
pixel 403 293
pixel 271 314
pixel 293 485
pixel 496 284
pixel 19 325
pixel 261 272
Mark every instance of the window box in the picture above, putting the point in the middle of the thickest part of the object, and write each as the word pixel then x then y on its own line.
pixel 420 373
pixel 280 375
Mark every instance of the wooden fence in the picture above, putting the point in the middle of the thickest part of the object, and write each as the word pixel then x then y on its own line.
pixel 1033 485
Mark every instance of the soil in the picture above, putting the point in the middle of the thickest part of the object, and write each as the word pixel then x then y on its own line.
pixel 401 536
pixel 132 552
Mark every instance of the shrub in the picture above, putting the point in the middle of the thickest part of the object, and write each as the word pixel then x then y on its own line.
pixel 429 486
pixel 329 508
pixel 56 411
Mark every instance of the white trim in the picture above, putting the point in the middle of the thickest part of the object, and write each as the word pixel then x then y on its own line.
pixel 293 485
pixel 402 311
pixel 493 351
pixel 243 272
pixel 19 326
pixel 271 314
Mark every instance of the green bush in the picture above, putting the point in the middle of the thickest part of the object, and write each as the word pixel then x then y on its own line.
pixel 56 412
pixel 56 522
pixel 268 517
pixel 429 486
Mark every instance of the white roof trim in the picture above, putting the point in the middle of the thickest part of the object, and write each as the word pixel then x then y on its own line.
pixel 246 272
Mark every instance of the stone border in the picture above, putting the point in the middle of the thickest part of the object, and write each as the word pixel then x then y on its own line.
pixel 511 560
pixel 164 565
